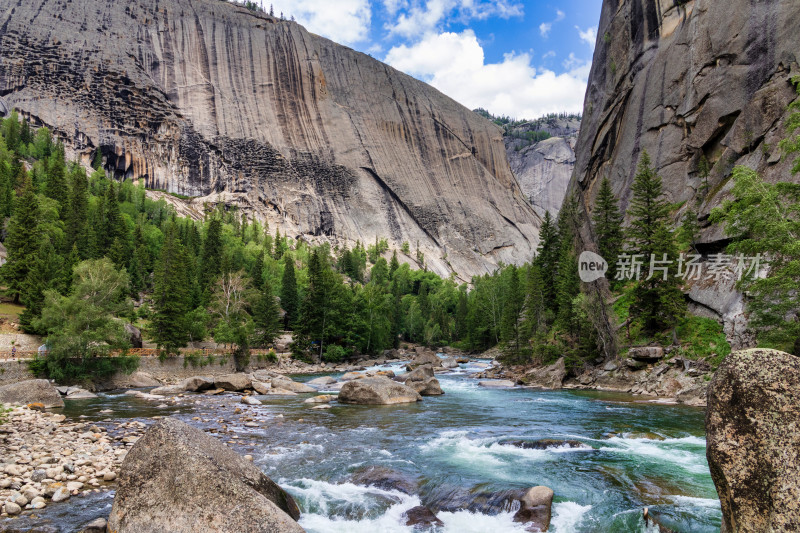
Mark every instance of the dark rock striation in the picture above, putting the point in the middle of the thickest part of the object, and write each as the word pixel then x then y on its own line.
pixel 209 99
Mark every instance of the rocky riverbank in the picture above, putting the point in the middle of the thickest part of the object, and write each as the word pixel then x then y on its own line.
pixel 48 459
pixel 646 372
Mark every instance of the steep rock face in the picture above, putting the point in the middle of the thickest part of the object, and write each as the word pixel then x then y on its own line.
pixel 543 169
pixel 687 80
pixel 753 428
pixel 208 99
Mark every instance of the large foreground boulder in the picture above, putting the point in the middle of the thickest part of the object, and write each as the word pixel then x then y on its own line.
pixel 377 391
pixel 31 391
pixel 753 436
pixel 178 479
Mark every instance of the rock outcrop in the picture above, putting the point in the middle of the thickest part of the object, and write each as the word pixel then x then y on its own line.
pixel 176 478
pixel 689 81
pixel 209 99
pixel 38 391
pixel 377 391
pixel 544 168
pixel 752 431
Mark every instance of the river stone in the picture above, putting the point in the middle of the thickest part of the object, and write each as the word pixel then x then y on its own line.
pixel 12 508
pixel 349 376
pixel 97 525
pixel 321 382
pixel 31 391
pixel 249 400
pixel 177 477
pixel 233 382
pixel 421 380
pixel 167 390
pixel 425 358
pixel 385 479
pixel 61 494
pixel 752 433
pixel 377 391
pixel 422 517
pixel 197 383
pixel 536 507
pixel 497 384
pixel 293 386
pixel 547 377
pixel 323 398
pixel 80 394
pixel 450 362
pixel 261 388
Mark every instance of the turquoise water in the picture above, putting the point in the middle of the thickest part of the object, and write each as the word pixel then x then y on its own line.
pixel 634 455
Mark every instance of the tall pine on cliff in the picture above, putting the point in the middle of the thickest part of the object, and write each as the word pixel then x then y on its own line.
pixel 657 299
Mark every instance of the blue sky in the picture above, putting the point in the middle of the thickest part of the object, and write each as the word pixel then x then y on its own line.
pixel 515 58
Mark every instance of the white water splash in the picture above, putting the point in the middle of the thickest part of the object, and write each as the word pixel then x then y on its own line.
pixel 567 516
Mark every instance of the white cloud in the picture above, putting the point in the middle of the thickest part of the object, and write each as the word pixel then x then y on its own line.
pixel 549 54
pixel 343 21
pixel 421 18
pixel 455 64
pixel 560 15
pixel 544 29
pixel 393 6
pixel 589 36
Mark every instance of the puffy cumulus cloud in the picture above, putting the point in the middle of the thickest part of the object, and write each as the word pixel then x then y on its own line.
pixel 417 18
pixel 455 64
pixel 589 36
pixel 343 21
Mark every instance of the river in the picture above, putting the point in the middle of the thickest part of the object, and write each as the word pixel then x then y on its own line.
pixel 634 455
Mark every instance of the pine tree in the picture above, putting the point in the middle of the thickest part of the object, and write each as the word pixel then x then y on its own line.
pixel 512 312
pixel 266 316
pixel 45 273
pixel 547 255
pixel 56 185
pixel 212 255
pixel 608 226
pixel 23 240
pixel 657 302
pixel 77 213
pixel 393 265
pixel 289 298
pixel 171 297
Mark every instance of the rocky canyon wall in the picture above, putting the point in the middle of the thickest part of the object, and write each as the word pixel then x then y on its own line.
pixel 210 100
pixel 688 80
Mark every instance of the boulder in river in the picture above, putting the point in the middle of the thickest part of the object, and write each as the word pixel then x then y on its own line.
pixel 197 383
pixel 536 507
pixel 425 358
pixel 377 391
pixel 168 390
pixel 385 479
pixel 544 444
pixel 450 362
pixel 321 382
pixel 497 384
pixel 752 434
pixel 293 386
pixel 31 391
pixel 233 382
pixel 422 517
pixel 178 479
pixel 421 379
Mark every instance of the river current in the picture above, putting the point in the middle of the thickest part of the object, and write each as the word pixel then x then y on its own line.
pixel 455 446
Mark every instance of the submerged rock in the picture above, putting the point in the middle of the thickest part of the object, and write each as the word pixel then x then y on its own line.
pixel 544 444
pixel 752 432
pixel 377 391
pixel 386 479
pixel 178 479
pixel 422 517
pixel 31 391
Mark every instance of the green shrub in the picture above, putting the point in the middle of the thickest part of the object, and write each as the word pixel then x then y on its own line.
pixel 334 354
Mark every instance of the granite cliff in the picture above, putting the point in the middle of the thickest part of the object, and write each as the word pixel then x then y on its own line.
pixel 688 81
pixel 213 101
